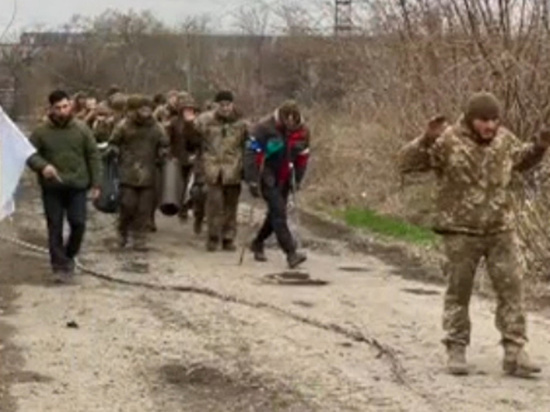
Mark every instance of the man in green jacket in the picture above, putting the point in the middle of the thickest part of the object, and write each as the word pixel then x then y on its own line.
pixel 141 143
pixel 68 165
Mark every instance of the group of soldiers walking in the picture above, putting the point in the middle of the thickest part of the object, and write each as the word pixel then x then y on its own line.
pixel 216 148
pixel 474 161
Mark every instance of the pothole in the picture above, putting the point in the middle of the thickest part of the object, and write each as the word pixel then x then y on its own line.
pixel 421 292
pixel 292 278
pixel 354 269
pixel 200 387
pixel 303 304
pixel 140 268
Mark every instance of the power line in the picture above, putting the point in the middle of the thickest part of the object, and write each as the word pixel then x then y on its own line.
pixel 11 21
pixel 343 17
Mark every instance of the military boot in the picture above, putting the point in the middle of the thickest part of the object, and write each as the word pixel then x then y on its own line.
pixel 212 244
pixel 295 259
pixel 197 226
pixel 257 249
pixel 122 240
pixel 140 243
pixel 456 361
pixel 228 245
pixel 517 363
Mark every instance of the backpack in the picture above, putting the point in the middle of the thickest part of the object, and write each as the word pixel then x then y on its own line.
pixel 108 201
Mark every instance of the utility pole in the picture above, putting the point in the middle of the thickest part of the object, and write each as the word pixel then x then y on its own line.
pixel 343 18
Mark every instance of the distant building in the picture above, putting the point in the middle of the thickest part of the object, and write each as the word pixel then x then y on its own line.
pixel 51 39
pixel 7 80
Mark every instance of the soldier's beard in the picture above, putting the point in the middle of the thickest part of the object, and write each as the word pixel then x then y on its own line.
pixel 60 120
pixel 142 120
pixel 485 135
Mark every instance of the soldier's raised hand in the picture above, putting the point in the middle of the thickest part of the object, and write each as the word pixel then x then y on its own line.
pixel 436 126
pixel 189 115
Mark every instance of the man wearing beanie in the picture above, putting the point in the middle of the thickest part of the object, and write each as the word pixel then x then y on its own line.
pixel 68 165
pixel 275 163
pixel 141 142
pixel 474 161
pixel 221 136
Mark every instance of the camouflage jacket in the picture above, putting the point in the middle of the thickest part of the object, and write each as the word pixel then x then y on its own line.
pixel 473 179
pixel 140 147
pixel 221 143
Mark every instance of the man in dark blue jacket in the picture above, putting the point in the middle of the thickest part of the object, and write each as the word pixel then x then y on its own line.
pixel 276 158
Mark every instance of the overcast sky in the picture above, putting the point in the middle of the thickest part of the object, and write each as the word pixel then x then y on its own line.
pixel 53 13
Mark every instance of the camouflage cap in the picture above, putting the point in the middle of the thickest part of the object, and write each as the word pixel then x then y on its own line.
pixel 113 89
pixel 482 105
pixel 186 100
pixel 147 101
pixel 118 101
pixel 137 101
pixel 134 102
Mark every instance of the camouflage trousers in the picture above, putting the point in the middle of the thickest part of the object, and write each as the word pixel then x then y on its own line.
pixel 221 211
pixel 504 267
pixel 136 204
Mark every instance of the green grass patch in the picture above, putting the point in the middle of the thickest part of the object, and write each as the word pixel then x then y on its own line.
pixel 387 226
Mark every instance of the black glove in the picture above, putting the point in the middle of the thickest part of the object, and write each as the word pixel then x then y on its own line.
pixel 254 190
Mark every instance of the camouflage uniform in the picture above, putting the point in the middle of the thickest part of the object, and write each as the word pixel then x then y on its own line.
pixel 222 142
pixel 475 217
pixel 141 142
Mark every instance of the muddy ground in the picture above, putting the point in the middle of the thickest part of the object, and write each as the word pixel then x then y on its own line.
pixel 178 329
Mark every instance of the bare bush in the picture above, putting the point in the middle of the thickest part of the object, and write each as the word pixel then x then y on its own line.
pixel 366 94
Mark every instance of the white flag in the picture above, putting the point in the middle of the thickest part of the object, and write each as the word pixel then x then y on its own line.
pixel 15 149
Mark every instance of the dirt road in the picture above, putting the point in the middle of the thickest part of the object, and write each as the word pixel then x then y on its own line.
pixel 197 332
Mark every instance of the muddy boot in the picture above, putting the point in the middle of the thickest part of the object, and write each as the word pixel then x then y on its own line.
pixel 140 243
pixel 197 227
pixel 517 363
pixel 63 275
pixel 228 245
pixel 295 259
pixel 258 251
pixel 122 240
pixel 183 216
pixel 212 244
pixel 456 361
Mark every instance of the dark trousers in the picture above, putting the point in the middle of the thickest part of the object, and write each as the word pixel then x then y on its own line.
pixel 276 219
pixel 185 177
pixel 58 203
